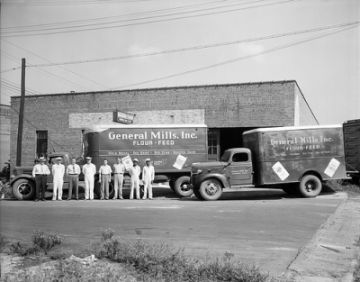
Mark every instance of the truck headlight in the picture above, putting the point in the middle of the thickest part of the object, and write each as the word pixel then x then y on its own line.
pixel 198 171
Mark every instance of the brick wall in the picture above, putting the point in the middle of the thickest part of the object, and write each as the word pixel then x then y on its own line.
pixel 231 105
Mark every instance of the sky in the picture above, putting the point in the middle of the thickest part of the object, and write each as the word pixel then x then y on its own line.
pixel 95 45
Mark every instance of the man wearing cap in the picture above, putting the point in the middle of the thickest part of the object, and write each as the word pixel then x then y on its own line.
pixel 135 174
pixel 105 178
pixel 58 171
pixel 89 171
pixel 148 176
pixel 73 171
pixel 119 169
pixel 40 173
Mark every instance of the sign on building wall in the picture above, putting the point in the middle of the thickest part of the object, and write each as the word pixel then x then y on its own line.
pixel 125 118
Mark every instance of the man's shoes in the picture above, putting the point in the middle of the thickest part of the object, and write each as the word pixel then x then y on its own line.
pixel 121 198
pixel 36 200
pixel 68 199
pixel 144 198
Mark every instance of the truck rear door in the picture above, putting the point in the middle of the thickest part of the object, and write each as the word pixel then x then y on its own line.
pixel 240 170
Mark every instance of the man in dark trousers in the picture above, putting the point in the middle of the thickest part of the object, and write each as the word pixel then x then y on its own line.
pixel 73 170
pixel 40 173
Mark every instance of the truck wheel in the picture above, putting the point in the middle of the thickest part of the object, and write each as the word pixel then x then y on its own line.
pixel 24 189
pixel 182 186
pixel 310 186
pixel 210 190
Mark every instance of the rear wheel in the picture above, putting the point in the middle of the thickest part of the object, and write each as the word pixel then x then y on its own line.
pixel 310 186
pixel 210 190
pixel 24 189
pixel 182 186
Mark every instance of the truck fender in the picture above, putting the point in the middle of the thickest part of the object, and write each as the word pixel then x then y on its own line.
pixel 313 172
pixel 220 177
pixel 21 176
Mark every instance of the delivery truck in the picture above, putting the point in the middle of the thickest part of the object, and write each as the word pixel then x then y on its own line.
pixel 351 131
pixel 171 148
pixel 295 159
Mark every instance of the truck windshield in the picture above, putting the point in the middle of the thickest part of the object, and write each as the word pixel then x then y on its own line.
pixel 225 157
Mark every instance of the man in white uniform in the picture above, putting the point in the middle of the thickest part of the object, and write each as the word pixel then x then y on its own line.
pixel 40 173
pixel 104 178
pixel 89 171
pixel 119 170
pixel 58 171
pixel 135 174
pixel 148 176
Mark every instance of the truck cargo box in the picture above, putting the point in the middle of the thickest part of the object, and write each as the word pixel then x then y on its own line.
pixel 285 154
pixel 352 145
pixel 161 143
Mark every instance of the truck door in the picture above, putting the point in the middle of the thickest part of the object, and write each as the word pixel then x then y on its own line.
pixel 240 169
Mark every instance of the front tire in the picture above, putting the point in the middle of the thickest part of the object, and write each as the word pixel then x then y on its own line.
pixel 24 189
pixel 310 186
pixel 210 190
pixel 182 186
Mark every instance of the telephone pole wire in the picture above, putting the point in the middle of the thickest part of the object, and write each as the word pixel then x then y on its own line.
pixel 21 114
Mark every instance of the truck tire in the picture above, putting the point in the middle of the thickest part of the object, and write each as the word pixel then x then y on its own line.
pixel 210 189
pixel 310 186
pixel 24 189
pixel 182 186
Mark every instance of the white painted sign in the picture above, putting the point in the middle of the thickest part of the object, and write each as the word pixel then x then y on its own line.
pixel 280 171
pixel 332 167
pixel 179 162
pixel 127 161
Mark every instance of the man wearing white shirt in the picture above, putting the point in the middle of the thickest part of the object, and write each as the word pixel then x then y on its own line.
pixel 73 171
pixel 148 176
pixel 119 170
pixel 89 171
pixel 104 178
pixel 58 171
pixel 135 174
pixel 40 173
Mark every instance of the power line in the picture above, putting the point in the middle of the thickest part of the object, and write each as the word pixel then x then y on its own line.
pixel 45 59
pixel 200 47
pixel 271 50
pixel 110 17
pixel 146 22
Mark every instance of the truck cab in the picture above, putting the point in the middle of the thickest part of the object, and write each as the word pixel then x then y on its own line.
pixel 23 183
pixel 234 170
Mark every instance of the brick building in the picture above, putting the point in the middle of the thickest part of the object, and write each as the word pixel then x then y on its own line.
pixel 5 115
pixel 57 121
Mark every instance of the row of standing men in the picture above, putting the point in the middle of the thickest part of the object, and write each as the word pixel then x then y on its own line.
pixel 41 171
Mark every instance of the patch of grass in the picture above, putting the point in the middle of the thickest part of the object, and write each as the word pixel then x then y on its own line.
pixel 45 241
pixel 107 234
pixel 343 186
pixel 41 243
pixel 160 262
pixel 356 274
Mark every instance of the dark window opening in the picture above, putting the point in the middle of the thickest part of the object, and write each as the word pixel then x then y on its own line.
pixel 240 157
pixel 41 143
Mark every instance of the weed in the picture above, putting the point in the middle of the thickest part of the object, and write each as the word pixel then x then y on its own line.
pixel 159 261
pixel 107 234
pixel 343 186
pixel 44 241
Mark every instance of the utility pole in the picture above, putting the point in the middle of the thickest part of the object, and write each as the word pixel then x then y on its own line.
pixel 21 114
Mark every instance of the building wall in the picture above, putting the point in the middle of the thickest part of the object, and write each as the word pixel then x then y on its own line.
pixel 5 116
pixel 230 105
pixel 305 115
